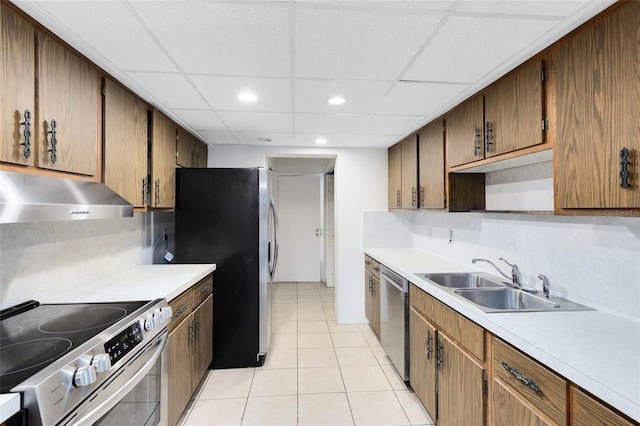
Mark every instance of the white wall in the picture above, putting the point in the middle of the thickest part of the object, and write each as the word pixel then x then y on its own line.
pixel 591 260
pixel 360 185
pixel 47 257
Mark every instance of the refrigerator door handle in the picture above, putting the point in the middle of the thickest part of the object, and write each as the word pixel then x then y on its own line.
pixel 275 237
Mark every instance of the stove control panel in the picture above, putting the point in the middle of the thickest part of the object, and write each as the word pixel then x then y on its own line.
pixel 119 346
pixel 101 362
pixel 84 376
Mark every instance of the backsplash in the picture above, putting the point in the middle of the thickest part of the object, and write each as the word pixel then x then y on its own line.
pixel 45 257
pixel 590 260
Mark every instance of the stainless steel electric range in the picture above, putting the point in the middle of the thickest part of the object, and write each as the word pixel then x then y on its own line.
pixel 89 363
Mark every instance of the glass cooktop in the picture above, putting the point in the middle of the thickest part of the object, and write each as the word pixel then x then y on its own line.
pixel 32 340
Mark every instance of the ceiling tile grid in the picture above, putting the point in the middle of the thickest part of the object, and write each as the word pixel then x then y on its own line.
pixel 397 63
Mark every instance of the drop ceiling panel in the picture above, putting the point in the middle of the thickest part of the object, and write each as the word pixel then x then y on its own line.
pixel 106 28
pixel 361 96
pixel 256 122
pixel 171 90
pixel 403 5
pixel 467 48
pixel 274 95
pixel 422 99
pixel 359 141
pixel 389 124
pixel 328 47
pixel 328 123
pixel 277 139
pixel 522 7
pixel 228 38
pixel 218 138
pixel 200 119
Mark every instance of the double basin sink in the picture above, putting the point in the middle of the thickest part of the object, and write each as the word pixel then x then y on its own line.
pixel 491 294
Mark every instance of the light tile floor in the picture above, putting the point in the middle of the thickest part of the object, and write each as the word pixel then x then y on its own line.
pixel 317 372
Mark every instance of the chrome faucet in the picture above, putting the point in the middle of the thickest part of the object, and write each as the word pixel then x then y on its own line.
pixel 516 276
pixel 546 285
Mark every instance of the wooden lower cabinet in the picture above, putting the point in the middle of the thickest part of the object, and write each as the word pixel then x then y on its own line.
pixel 422 359
pixel 180 355
pixel 510 409
pixel 587 411
pixel 461 384
pixel 372 301
pixel 203 341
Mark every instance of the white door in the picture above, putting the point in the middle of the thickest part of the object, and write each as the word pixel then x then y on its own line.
pixel 300 228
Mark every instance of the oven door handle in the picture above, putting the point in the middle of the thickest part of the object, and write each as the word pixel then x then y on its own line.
pixel 96 413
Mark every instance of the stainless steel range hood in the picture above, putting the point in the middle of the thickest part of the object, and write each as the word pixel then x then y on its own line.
pixel 36 198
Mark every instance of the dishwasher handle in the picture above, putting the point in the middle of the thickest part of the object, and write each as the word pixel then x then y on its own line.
pixel 396 280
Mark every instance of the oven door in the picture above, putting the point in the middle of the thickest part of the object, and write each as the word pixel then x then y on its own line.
pixel 131 396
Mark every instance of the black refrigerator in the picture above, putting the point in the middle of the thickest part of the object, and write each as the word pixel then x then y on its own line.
pixel 227 217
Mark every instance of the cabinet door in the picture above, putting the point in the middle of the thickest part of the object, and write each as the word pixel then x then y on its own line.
pixel 587 411
pixel 509 409
pixel 465 133
pixel 203 347
pixel 422 358
pixel 513 111
pixel 17 89
pixel 202 152
pixel 410 172
pixel 598 104
pixel 375 305
pixel 163 161
pixel 185 153
pixel 125 144
pixel 461 398
pixel 180 365
pixel 431 166
pixel 395 176
pixel 368 296
pixel 69 94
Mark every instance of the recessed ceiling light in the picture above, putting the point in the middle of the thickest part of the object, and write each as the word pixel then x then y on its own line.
pixel 321 141
pixel 264 139
pixel 336 100
pixel 247 97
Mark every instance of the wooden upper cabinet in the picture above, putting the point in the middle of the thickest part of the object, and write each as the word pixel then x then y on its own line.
pixel 431 166
pixel 185 154
pixel 125 144
pixel 465 132
pixel 201 153
pixel 514 111
pixel 395 176
pixel 69 95
pixel 410 172
pixel 17 89
pixel 598 105
pixel 163 161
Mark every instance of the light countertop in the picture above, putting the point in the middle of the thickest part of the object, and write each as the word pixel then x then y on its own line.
pixel 144 282
pixel 595 350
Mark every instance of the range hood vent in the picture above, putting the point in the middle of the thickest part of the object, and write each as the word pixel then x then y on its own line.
pixel 37 198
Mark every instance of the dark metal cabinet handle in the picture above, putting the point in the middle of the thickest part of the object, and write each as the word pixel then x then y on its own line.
pixel 198 326
pixel 370 285
pixel 421 203
pixel 27 134
pixel 197 159
pixel 488 143
pixel 439 360
pixel 413 196
pixel 53 142
pixel 181 310
pixel 206 289
pixel 191 336
pixel 157 192
pixel 397 198
pixel 193 159
pixel 429 344
pixel 624 169
pixel 476 141
pixel 145 191
pixel 521 377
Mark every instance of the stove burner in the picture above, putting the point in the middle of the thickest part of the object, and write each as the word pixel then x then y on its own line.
pixel 87 319
pixel 9 331
pixel 25 355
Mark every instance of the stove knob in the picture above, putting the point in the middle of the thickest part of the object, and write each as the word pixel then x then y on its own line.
pixel 168 312
pixel 84 376
pixel 150 323
pixel 101 362
pixel 160 316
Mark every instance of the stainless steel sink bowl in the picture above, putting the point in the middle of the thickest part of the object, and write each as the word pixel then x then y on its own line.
pixel 507 299
pixel 463 280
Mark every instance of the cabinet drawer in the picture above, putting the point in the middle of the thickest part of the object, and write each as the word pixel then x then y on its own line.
pixel 368 263
pixel 375 268
pixel 181 307
pixel 464 331
pixel 524 374
pixel 202 290
pixel 587 411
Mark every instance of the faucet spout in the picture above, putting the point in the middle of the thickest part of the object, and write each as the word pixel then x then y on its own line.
pixel 492 264
pixel 516 276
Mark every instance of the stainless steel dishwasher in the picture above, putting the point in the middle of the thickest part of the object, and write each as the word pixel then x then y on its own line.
pixel 394 319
